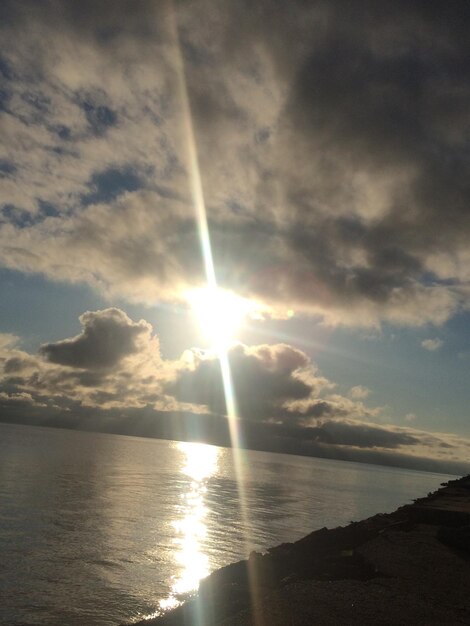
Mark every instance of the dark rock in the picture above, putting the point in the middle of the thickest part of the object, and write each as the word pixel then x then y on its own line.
pixel 378 558
pixel 458 538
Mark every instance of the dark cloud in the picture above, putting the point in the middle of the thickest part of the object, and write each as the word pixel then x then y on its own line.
pixel 319 408
pixel 90 18
pixel 273 383
pixel 107 337
pixel 374 97
pixel 16 364
pixel 345 433
pixel 333 147
pixel 332 142
pixel 187 426
pixel 111 378
pixel 372 172
pixel 264 378
pixel 115 362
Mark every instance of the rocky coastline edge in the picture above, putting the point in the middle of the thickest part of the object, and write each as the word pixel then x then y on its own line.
pixel 411 566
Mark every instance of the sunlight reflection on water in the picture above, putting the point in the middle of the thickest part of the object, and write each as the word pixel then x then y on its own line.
pixel 102 530
pixel 200 463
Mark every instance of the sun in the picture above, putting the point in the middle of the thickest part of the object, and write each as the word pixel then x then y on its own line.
pixel 220 314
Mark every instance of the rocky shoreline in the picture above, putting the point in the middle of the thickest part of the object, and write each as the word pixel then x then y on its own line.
pixel 411 566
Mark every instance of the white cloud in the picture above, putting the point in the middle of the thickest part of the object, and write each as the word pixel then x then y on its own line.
pixel 359 392
pixel 432 344
pixel 305 214
pixel 8 340
pixel 112 377
pixel 107 338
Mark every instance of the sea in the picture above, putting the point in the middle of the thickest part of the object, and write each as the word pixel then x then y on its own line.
pixel 103 530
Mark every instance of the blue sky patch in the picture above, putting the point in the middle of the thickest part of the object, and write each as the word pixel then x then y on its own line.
pixel 6 168
pixel 100 117
pixel 111 183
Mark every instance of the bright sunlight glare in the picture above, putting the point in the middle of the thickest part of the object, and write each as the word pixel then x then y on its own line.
pixel 220 314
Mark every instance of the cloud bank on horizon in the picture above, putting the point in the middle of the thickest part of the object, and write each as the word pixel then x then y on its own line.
pixel 333 146
pixel 112 377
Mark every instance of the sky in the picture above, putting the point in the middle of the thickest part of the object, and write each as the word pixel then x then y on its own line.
pixel 239 222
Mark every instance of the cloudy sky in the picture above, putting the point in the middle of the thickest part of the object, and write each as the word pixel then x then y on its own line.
pixel 312 159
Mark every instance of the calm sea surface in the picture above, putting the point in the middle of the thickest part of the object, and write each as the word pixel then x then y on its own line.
pixel 103 529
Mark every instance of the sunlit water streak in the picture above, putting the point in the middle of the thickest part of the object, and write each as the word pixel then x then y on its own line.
pixel 197 194
pixel 100 530
pixel 191 530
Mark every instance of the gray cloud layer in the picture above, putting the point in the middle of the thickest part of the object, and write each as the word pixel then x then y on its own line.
pixel 112 378
pixel 107 337
pixel 264 379
pixel 333 144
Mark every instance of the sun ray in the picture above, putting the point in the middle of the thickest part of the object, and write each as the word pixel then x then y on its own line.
pixel 211 280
